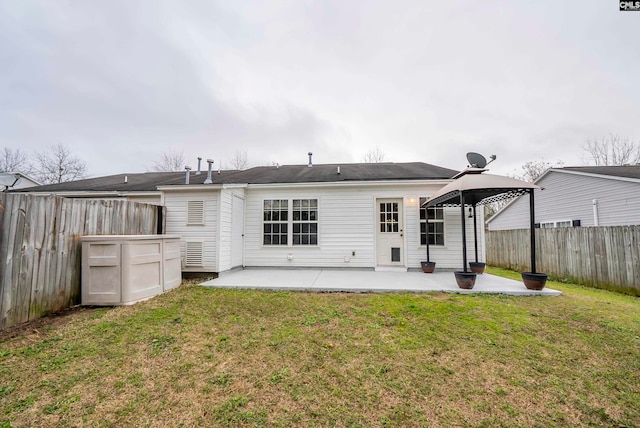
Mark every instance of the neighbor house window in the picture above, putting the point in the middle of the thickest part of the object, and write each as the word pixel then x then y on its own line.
pixel 305 222
pixel 276 222
pixel 435 233
pixel 290 222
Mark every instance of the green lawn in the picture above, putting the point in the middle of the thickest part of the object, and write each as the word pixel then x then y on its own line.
pixel 208 357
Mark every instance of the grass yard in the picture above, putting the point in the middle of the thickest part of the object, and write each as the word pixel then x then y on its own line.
pixel 208 357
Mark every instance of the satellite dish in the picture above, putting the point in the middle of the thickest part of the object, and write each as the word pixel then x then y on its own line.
pixel 476 160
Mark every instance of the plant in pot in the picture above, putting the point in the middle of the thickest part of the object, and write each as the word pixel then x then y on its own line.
pixel 465 280
pixel 477 267
pixel 427 266
pixel 534 280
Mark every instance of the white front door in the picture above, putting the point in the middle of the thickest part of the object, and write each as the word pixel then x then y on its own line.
pixel 237 231
pixel 389 233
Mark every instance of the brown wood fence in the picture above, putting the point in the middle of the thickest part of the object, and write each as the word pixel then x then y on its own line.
pixel 602 257
pixel 40 248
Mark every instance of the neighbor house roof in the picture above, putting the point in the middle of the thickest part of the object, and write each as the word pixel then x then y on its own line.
pixel 321 173
pixel 627 171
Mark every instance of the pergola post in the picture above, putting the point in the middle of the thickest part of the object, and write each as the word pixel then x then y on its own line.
pixel 464 233
pixel 532 225
pixel 426 216
pixel 475 233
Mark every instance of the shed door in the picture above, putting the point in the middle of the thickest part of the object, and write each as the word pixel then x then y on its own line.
pixel 390 233
pixel 237 231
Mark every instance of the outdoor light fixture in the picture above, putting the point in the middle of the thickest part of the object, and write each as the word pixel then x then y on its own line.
pixel 470 213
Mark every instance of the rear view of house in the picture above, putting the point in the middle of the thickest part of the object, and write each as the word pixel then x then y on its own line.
pixel 329 215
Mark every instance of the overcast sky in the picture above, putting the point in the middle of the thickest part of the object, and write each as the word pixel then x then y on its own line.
pixel 122 81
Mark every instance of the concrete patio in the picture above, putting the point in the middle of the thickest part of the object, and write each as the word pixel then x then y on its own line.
pixel 367 281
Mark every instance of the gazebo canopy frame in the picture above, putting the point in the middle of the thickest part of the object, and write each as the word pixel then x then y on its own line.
pixel 472 187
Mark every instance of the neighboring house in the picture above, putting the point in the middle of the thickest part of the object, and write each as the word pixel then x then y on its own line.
pixel 338 215
pixel 16 180
pixel 578 196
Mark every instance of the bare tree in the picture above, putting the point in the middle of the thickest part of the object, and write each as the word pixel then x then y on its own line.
pixel 240 160
pixel 58 165
pixel 14 161
pixel 612 151
pixel 532 170
pixel 171 160
pixel 373 156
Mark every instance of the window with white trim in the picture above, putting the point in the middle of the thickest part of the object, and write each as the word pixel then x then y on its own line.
pixel 276 222
pixel 436 224
pixel 290 222
pixel 305 222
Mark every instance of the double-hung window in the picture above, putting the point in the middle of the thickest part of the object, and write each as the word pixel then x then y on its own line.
pixel 276 222
pixel 435 233
pixel 305 222
pixel 290 222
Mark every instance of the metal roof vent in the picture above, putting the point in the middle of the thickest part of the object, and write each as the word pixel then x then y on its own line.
pixel 208 180
pixel 199 160
pixel 310 162
pixel 338 172
pixel 186 178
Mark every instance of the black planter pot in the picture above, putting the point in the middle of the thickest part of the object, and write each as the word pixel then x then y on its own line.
pixel 465 280
pixel 477 267
pixel 534 281
pixel 428 267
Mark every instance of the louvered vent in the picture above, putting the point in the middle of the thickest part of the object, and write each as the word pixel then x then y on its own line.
pixel 195 212
pixel 193 255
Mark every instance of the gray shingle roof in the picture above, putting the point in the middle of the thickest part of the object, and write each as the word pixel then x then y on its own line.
pixel 631 171
pixel 325 173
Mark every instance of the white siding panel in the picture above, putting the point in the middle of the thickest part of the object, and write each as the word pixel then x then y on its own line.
pixel 225 228
pixel 347 224
pixel 176 222
pixel 570 197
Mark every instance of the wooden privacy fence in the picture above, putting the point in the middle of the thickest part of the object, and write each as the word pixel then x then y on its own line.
pixel 40 248
pixel 602 257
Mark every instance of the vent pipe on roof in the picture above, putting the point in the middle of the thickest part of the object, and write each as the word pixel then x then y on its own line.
pixel 199 160
pixel 338 170
pixel 208 180
pixel 126 179
pixel 310 163
pixel 186 178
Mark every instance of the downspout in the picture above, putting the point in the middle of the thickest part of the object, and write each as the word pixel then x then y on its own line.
pixel 596 220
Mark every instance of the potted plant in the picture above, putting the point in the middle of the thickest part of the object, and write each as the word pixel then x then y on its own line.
pixel 427 266
pixel 477 267
pixel 534 281
pixel 465 280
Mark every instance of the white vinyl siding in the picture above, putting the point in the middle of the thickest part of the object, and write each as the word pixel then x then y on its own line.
pixel 228 243
pixel 347 222
pixel 204 233
pixel 570 197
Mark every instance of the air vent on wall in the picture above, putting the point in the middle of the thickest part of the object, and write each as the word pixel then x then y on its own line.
pixel 193 254
pixel 195 212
